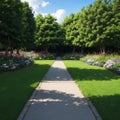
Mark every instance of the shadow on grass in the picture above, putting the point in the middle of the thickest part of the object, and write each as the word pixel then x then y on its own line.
pixel 109 111
pixel 16 88
pixel 92 74
pixel 58 105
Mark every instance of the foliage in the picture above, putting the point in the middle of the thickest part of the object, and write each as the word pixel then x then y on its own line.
pixel 16 24
pixel 48 32
pixel 10 21
pixel 97 25
pixel 68 26
pixel 28 24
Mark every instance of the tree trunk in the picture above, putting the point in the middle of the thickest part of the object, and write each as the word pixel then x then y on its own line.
pixel 11 50
pixel 46 49
pixel 74 49
pixel 102 49
pixel 6 51
pixel 7 48
pixel 81 50
pixel 17 51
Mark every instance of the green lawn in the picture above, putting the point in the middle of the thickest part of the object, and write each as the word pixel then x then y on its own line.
pixel 16 88
pixel 101 86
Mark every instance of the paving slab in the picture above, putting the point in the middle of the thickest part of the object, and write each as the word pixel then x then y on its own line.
pixel 57 98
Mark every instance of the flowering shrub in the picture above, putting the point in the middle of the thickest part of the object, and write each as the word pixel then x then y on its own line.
pixel 39 55
pixel 98 64
pixel 109 64
pixel 90 61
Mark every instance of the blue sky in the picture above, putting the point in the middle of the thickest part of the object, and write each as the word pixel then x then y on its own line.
pixel 58 8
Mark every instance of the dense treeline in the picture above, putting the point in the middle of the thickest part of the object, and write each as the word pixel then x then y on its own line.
pixel 17 25
pixel 96 26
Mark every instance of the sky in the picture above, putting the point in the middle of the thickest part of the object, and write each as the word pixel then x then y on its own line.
pixel 58 8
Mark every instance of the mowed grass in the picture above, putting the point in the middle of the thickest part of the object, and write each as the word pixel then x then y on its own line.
pixel 101 86
pixel 16 88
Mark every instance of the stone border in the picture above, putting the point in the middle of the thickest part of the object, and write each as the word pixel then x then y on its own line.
pixel 94 111
pixel 90 105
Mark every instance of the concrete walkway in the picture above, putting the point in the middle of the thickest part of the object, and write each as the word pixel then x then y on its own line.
pixel 57 98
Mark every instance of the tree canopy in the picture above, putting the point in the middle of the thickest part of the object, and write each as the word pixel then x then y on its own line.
pixel 16 24
pixel 97 25
pixel 48 32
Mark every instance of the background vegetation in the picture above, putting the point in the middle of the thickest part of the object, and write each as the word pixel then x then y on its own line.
pixel 95 28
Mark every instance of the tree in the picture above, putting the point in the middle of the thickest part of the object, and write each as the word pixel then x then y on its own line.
pixel 68 25
pixel 106 27
pixel 10 22
pixel 83 27
pixel 97 25
pixel 17 24
pixel 115 26
pixel 16 35
pixel 48 32
pixel 28 26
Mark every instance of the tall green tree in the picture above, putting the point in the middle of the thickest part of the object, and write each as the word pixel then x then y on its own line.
pixel 17 24
pixel 28 26
pixel 115 26
pixel 84 28
pixel 97 25
pixel 9 21
pixel 48 32
pixel 68 26
pixel 16 35
pixel 105 23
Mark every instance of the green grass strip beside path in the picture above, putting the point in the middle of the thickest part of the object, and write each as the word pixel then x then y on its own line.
pixel 16 88
pixel 101 86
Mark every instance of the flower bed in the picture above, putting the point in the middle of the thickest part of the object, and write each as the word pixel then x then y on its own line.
pixel 14 61
pixel 39 55
pixel 110 62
